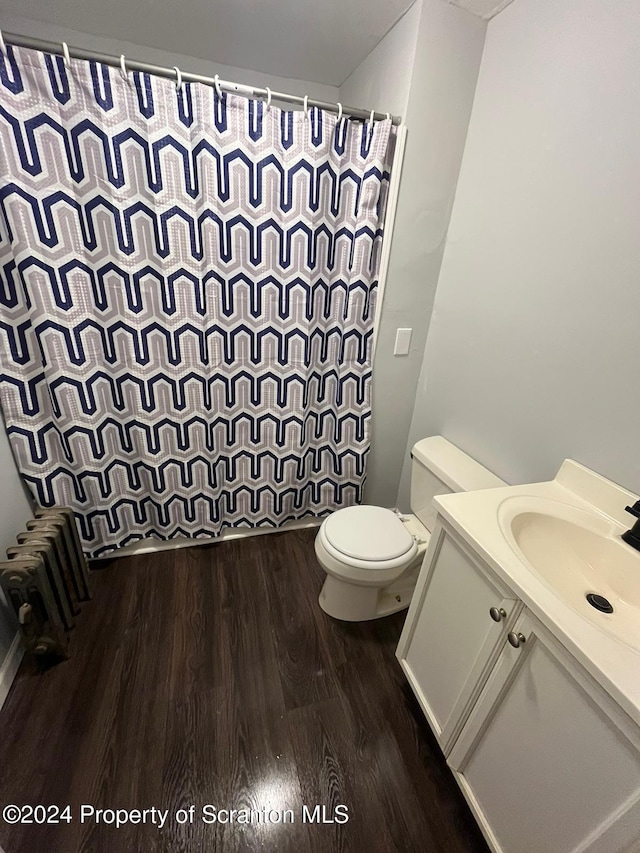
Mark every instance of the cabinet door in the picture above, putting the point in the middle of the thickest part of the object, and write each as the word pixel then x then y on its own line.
pixel 546 760
pixel 450 642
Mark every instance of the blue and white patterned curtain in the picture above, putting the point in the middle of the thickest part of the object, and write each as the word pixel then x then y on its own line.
pixel 187 295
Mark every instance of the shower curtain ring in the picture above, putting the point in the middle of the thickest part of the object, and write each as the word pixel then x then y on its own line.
pixel 388 116
pixel 178 78
pixel 339 112
pixel 65 53
pixel 3 46
pixel 123 70
pixel 371 117
pixel 306 106
pixel 216 83
pixel 268 90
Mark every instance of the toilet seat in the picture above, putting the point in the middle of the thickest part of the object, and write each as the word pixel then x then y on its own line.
pixel 368 537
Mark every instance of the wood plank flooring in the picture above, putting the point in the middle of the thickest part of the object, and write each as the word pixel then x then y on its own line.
pixel 210 675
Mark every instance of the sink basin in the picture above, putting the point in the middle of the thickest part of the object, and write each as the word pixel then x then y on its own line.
pixel 578 553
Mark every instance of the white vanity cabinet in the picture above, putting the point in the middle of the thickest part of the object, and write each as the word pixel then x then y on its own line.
pixel 545 758
pixel 451 640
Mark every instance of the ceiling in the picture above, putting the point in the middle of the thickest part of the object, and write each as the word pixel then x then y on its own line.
pixel 315 40
pixel 483 8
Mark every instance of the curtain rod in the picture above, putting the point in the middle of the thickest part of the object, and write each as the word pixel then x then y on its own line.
pixel 187 76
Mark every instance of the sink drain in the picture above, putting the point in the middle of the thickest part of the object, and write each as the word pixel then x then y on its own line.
pixel 599 602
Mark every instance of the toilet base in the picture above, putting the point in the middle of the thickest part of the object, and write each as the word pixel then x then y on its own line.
pixel 352 603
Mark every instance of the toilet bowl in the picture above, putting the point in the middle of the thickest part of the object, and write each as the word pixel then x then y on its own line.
pixel 372 555
pixel 365 550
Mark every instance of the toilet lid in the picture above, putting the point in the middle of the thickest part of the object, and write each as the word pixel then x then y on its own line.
pixel 368 533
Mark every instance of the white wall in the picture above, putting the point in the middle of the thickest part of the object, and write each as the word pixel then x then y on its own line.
pixel 533 349
pixel 448 46
pixel 15 508
pixel 383 80
pixel 310 40
pixel 36 29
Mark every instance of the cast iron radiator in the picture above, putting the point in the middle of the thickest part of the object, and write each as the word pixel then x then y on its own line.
pixel 45 579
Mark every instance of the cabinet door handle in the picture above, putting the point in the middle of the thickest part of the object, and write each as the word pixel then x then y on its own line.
pixel 497 614
pixel 516 640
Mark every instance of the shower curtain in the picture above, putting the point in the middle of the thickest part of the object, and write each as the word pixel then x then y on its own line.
pixel 187 294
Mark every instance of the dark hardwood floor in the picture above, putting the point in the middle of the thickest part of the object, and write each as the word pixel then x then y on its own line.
pixel 210 675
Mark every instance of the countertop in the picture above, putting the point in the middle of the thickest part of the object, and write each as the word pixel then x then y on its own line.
pixel 474 516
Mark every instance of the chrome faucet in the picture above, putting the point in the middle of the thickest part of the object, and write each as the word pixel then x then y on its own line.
pixel 632 536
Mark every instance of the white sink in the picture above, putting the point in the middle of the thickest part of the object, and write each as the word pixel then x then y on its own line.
pixel 576 553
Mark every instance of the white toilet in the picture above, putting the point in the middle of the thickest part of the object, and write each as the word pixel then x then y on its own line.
pixel 372 555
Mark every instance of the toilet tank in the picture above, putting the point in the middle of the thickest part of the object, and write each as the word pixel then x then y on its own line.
pixel 439 468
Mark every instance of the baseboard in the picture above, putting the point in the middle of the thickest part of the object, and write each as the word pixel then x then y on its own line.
pixel 9 667
pixel 151 546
